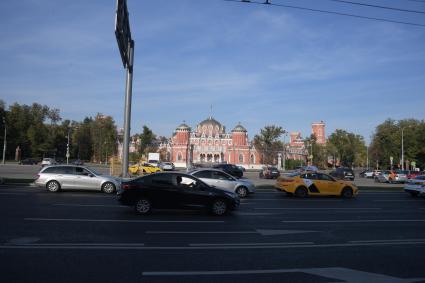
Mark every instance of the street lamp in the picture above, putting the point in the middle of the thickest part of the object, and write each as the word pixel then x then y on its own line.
pixel 67 149
pixel 4 140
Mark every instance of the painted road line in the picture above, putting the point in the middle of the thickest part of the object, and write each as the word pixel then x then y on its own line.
pixel 208 247
pixel 295 200
pixel 399 200
pixel 353 221
pixel 390 241
pixel 338 274
pixel 263 232
pixel 318 208
pixel 120 220
pixel 251 244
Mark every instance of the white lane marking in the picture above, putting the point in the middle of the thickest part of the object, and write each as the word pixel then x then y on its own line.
pixel 90 205
pixel 318 208
pixel 399 200
pixel 255 213
pixel 251 244
pixel 353 221
pixel 339 273
pixel 221 247
pixel 263 232
pixel 390 241
pixel 120 220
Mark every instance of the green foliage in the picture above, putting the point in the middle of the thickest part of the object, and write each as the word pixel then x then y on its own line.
pixel 268 143
pixel 147 141
pixel 386 142
pixel 348 147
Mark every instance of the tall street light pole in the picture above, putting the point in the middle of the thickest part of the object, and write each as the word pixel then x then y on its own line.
pixel 67 150
pixel 4 140
pixel 402 148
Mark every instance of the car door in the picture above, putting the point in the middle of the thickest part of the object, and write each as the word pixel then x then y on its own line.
pixel 163 190
pixel 327 184
pixel 205 176
pixel 192 192
pixel 311 182
pixel 85 179
pixel 65 176
pixel 223 181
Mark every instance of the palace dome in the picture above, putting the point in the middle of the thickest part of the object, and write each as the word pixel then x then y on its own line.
pixel 210 126
pixel 239 128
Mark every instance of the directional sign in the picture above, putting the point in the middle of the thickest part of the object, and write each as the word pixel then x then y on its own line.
pixel 122 31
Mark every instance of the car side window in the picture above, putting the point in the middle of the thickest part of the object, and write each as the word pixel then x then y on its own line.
pixel 325 177
pixel 81 171
pixel 220 176
pixel 203 174
pixel 50 170
pixel 64 170
pixel 162 180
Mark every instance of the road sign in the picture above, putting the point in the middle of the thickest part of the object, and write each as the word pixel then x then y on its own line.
pixel 122 32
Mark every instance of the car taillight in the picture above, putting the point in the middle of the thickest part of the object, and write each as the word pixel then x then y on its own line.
pixel 127 186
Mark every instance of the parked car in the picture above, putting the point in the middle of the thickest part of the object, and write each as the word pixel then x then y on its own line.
pixel 390 176
pixel 167 166
pixel 366 174
pixel 222 180
pixel 175 190
pixel 415 186
pixel 141 168
pixel 376 173
pixel 413 174
pixel 269 172
pixel 48 161
pixel 343 173
pixel 77 162
pixel 29 161
pixel 242 168
pixel 313 183
pixel 230 169
pixel 61 177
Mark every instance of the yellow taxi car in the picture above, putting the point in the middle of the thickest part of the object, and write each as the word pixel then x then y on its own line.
pixel 313 183
pixel 144 168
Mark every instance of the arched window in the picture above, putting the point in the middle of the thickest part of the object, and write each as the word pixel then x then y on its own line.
pixel 241 158
pixel 253 158
pixel 179 156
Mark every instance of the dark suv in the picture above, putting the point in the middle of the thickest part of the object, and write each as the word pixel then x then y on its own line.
pixel 230 169
pixel 175 190
pixel 343 173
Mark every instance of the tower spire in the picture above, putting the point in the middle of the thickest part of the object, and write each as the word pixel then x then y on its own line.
pixel 210 111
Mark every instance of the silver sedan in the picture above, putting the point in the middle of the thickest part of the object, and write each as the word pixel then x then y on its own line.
pixel 222 180
pixel 59 177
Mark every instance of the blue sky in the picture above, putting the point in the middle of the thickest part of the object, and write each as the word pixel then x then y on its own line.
pixel 255 64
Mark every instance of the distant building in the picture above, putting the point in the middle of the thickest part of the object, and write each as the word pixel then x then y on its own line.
pixel 318 130
pixel 296 149
pixel 209 143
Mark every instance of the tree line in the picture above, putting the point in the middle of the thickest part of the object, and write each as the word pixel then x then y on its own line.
pixel 38 131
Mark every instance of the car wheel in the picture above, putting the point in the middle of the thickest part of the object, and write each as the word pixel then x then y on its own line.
pixel 143 206
pixel 108 188
pixel 414 193
pixel 242 192
pixel 219 207
pixel 347 193
pixel 301 192
pixel 53 186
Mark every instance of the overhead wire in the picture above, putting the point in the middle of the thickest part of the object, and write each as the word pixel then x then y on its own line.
pixel 269 3
pixel 378 6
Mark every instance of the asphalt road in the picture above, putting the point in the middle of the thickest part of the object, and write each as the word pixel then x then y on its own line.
pixel 89 237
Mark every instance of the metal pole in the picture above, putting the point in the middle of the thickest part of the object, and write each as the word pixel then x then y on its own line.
pixel 67 150
pixel 127 110
pixel 4 141
pixel 284 153
pixel 367 157
pixel 402 148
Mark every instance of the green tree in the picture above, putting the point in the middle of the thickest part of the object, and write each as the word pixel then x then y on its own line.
pixel 268 143
pixel 349 147
pixel 104 137
pixel 147 141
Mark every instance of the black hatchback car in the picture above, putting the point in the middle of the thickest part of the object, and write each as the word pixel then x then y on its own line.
pixel 230 169
pixel 343 173
pixel 175 190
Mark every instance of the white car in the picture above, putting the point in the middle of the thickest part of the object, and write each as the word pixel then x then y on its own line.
pixel 48 161
pixel 222 180
pixel 415 186
pixel 167 166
